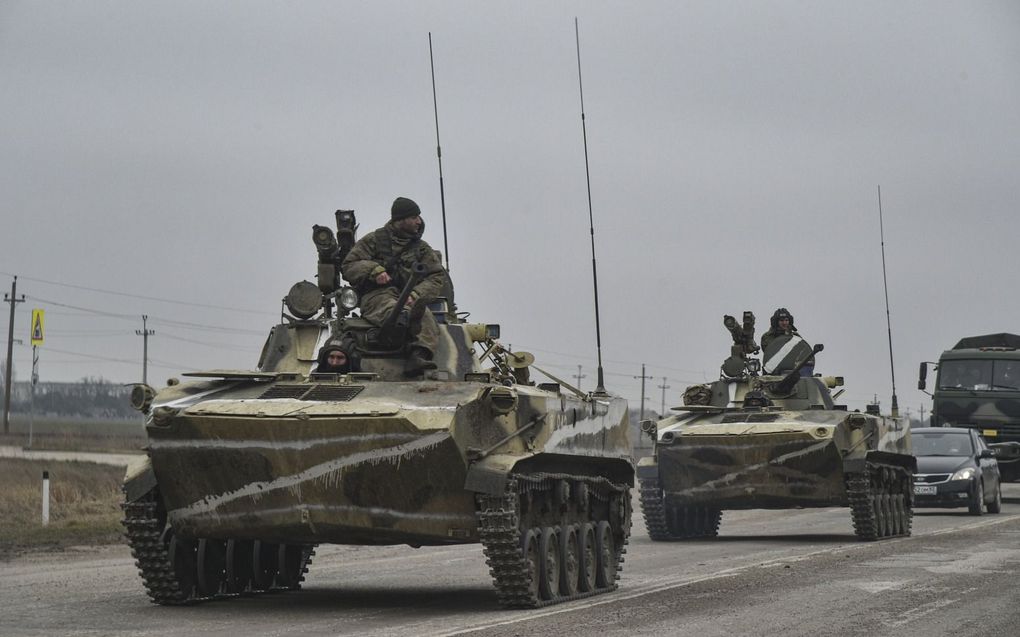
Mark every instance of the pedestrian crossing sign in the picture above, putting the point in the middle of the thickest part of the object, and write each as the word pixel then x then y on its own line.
pixel 37 327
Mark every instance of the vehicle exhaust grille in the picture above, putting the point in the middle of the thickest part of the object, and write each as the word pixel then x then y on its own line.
pixel 340 393
pixel 285 391
pixel 333 392
pixel 750 418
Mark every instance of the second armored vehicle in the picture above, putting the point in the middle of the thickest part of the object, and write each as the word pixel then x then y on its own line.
pixel 773 441
pixel 248 470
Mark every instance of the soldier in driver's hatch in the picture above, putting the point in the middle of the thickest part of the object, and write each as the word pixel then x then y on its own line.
pixel 782 325
pixel 379 265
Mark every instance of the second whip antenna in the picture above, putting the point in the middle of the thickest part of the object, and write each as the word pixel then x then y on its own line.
pixel 601 388
pixel 439 155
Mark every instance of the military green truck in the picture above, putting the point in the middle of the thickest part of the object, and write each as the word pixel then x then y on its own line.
pixel 978 386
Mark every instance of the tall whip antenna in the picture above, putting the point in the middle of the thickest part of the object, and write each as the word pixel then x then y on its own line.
pixel 895 406
pixel 439 156
pixel 601 388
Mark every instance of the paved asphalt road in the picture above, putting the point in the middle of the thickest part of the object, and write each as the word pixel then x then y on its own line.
pixel 790 573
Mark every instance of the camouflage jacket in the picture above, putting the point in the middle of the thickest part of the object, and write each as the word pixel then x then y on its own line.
pixel 768 336
pixel 387 250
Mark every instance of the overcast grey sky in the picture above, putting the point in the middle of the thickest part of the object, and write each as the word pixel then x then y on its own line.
pixel 182 151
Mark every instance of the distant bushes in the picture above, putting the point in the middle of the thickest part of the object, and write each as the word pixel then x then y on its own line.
pixel 93 398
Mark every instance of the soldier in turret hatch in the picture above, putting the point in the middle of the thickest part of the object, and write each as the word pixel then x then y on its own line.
pixel 335 358
pixel 782 325
pixel 379 265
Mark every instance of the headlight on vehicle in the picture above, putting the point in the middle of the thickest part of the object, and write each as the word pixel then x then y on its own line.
pixel 348 299
pixel 963 474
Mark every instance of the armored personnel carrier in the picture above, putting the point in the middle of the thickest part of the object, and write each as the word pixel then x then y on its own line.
pixel 247 471
pixel 769 436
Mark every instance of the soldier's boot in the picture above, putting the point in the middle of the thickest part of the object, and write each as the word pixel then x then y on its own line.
pixel 418 362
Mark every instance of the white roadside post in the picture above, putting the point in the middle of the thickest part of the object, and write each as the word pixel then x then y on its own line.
pixel 45 498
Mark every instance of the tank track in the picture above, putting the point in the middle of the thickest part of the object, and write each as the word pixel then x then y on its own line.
pixel 664 521
pixel 552 504
pixel 150 539
pixel 881 501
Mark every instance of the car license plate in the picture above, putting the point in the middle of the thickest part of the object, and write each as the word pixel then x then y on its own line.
pixel 990 433
pixel 924 489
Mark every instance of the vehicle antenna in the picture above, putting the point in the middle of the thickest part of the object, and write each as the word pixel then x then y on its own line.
pixel 439 156
pixel 601 388
pixel 895 411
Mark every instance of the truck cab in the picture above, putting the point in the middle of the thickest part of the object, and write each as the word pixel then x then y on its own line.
pixel 977 386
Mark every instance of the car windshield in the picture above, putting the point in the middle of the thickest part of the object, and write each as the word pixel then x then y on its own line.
pixel 941 444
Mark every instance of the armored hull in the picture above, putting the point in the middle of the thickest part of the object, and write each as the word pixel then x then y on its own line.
pixel 357 461
pixel 774 442
pixel 248 470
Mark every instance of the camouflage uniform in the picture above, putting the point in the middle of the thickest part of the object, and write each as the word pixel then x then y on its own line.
pixel 369 258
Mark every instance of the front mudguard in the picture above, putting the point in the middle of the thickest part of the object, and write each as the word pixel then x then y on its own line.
pixel 139 479
pixel 648 469
pixel 489 475
pixel 857 464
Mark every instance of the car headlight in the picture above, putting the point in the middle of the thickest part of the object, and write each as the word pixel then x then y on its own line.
pixel 963 474
pixel 348 299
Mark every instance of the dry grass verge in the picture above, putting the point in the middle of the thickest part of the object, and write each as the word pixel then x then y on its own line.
pixel 84 505
pixel 66 434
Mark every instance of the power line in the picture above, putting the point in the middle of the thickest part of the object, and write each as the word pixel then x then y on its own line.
pixel 618 362
pixel 145 297
pixel 130 317
pixel 155 320
pixel 212 345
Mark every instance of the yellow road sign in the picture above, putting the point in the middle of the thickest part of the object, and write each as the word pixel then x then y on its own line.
pixel 37 326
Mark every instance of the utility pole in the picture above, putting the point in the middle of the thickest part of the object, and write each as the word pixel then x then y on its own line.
pixel 13 300
pixel 579 376
pixel 663 387
pixel 922 415
pixel 643 377
pixel 145 333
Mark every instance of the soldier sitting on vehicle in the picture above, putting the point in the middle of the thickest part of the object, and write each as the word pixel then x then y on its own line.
pixel 380 264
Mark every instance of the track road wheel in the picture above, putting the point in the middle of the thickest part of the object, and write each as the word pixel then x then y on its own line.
pixel 589 558
pixel 529 549
pixel 549 550
pixel 212 564
pixel 291 564
pixel 605 547
pixel 570 560
pixel 240 556
pixel 265 564
pixel 184 561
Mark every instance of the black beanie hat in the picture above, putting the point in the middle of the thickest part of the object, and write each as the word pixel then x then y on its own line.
pixel 403 208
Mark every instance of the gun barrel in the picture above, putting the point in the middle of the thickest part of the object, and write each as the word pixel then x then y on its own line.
pixel 418 271
pixel 785 386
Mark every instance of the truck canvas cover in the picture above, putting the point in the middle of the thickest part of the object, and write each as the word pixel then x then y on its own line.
pixel 1001 339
